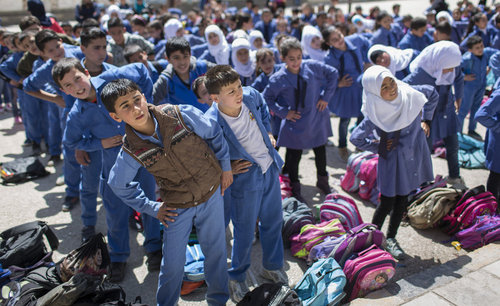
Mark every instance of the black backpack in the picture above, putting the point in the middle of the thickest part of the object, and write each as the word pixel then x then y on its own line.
pixel 272 295
pixel 23 245
pixel 295 215
pixel 21 170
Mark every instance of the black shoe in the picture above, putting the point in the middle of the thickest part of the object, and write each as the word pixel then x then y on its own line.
pixel 37 150
pixel 475 135
pixel 54 160
pixel 87 233
pixel 154 261
pixel 69 203
pixel 117 272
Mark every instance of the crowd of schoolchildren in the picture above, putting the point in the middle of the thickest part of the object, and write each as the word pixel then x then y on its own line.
pixel 196 104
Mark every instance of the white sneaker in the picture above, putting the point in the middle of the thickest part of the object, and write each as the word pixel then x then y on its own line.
pixel 237 290
pixel 277 276
pixel 60 180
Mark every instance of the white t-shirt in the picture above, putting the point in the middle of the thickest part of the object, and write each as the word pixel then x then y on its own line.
pixel 247 132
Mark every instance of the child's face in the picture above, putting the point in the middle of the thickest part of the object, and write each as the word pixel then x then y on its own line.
pixel 257 43
pixel 389 89
pixel 133 109
pixel 407 24
pixel 293 60
pixel 68 30
pixel 267 64
pixel 281 27
pixel 54 50
pixel 180 61
pixel 155 33
pixel 419 32
pixel 243 55
pixel 20 45
pixel 230 98
pixel 386 22
pixel 204 95
pixel 77 32
pixel 95 52
pixel 180 32
pixel 29 44
pixel 76 84
pixel 384 59
pixel 117 34
pixel 213 39
pixel 266 17
pixel 139 57
pixel 482 22
pixel 336 40
pixel 138 28
pixel 316 43
pixel 477 49
pixel 456 15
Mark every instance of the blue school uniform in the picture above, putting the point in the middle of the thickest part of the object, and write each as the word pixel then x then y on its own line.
pixel 487 37
pixel 171 89
pixel 414 42
pixel 384 37
pixel 316 81
pixel 489 116
pixel 87 118
pixel 260 84
pixel 494 64
pixel 247 81
pixel 473 90
pixel 207 217
pixel 362 43
pixel 267 30
pixel 409 164
pixel 159 49
pixel 153 70
pixel 207 56
pixel 254 195
pixel 198 50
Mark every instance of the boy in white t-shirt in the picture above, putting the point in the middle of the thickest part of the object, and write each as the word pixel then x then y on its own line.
pixel 255 193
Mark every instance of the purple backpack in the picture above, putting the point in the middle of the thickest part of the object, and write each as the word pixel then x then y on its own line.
pixel 350 180
pixel 486 229
pixel 474 203
pixel 337 206
pixel 313 234
pixel 368 189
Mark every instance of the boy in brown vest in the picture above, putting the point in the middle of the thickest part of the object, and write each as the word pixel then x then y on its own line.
pixel 185 153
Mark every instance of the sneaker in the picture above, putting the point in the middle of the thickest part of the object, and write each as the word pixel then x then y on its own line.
pixel 188 287
pixel 394 249
pixel 27 143
pixel 277 276
pixel 54 160
pixel 69 203
pixel 344 154
pixel 117 272
pixel 154 260
pixel 87 233
pixel 18 120
pixel 60 180
pixel 456 182
pixel 37 150
pixel 237 290
pixel 475 135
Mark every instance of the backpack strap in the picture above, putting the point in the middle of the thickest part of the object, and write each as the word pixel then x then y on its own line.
pixel 17 230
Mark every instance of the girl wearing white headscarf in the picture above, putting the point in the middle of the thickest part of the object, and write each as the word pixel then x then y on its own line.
pixel 438 65
pixel 395 125
pixel 254 35
pixel 172 27
pixel 312 35
pixel 245 69
pixel 394 59
pixel 220 51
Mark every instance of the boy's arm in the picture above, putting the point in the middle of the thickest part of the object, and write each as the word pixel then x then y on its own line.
pixel 40 77
pixel 9 69
pixel 489 113
pixel 74 131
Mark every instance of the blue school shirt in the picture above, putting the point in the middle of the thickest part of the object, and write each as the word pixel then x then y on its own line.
pixel 198 50
pixel 9 66
pixel 126 167
pixel 256 105
pixel 487 37
pixel 362 43
pixel 267 30
pixel 384 37
pixel 445 120
pixel 472 64
pixel 105 66
pixel 409 164
pixel 489 116
pixel 159 49
pixel 153 72
pixel 346 102
pixel 317 81
pixel 495 67
pixel 411 41
pixel 171 89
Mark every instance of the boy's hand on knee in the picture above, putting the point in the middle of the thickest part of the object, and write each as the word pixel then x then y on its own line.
pixel 111 142
pixel 82 157
pixel 165 214
pixel 322 104
pixel 240 166
pixel 226 180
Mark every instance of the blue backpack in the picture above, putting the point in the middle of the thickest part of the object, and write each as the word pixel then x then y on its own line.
pixel 194 267
pixel 470 153
pixel 322 284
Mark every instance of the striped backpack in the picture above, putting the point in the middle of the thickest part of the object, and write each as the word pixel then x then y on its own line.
pixel 313 234
pixel 337 206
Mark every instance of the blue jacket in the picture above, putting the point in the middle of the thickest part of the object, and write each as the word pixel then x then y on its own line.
pixel 472 64
pixel 384 37
pixel 9 66
pixel 267 30
pixel 489 116
pixel 414 42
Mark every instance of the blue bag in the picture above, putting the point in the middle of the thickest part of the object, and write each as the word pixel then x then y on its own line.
pixel 194 267
pixel 470 153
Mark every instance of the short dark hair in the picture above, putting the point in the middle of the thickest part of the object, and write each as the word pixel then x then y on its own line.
pixel 90 34
pixel 444 27
pixel 218 77
pixel 28 21
pixel 26 34
pixel 196 85
pixel 43 37
pixel 375 54
pixel 138 20
pixel 64 66
pixel 177 44
pixel 115 22
pixel 407 18
pixel 418 23
pixel 473 40
pixel 77 26
pixel 130 50
pixel 288 44
pixel 90 23
pixel 116 89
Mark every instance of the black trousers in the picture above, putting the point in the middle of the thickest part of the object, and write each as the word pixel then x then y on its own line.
pixel 292 160
pixel 396 207
pixel 493 184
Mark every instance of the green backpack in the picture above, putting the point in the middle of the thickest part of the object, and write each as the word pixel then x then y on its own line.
pixel 428 210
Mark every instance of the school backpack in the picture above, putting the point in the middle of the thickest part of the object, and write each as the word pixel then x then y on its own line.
pixel 432 206
pixel 285 186
pixel 350 180
pixel 370 270
pixel 439 182
pixel 475 202
pixel 271 295
pixel 368 189
pixel 194 266
pixel 295 215
pixel 313 234
pixel 21 170
pixel 470 153
pixel 486 229
pixel 322 284
pixel 337 206
pixel 23 245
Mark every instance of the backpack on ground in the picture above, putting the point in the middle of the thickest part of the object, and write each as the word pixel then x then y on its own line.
pixel 439 182
pixel 432 206
pixel 271 295
pixel 475 202
pixel 372 269
pixel 313 234
pixel 322 284
pixel 285 186
pixel 470 153
pixel 350 180
pixel 22 170
pixel 337 206
pixel 23 245
pixel 194 266
pixel 368 189
pixel 486 229
pixel 295 215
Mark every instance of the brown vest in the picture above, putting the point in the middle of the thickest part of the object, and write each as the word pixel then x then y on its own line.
pixel 185 169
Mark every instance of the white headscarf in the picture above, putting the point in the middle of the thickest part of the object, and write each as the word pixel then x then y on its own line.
pixel 248 69
pixel 392 115
pixel 308 33
pixel 221 51
pixel 253 36
pixel 171 27
pixel 240 34
pixel 366 24
pixel 400 59
pixel 436 57
pixel 446 15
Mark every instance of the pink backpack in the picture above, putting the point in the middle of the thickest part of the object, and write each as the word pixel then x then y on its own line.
pixel 337 206
pixel 368 189
pixel 371 270
pixel 285 186
pixel 313 234
pixel 350 180
pixel 486 229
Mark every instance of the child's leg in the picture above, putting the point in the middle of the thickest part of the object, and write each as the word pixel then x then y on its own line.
pixel 292 160
pixel 209 222
pixel 152 237
pixel 493 184
pixel 55 132
pixel 71 168
pixel 32 118
pixel 476 103
pixel 465 105
pixel 320 160
pixel 343 125
pixel 397 213
pixel 383 209
pixel 451 145
pixel 89 188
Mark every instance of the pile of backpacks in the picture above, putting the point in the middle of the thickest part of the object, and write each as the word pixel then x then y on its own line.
pixel 361 176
